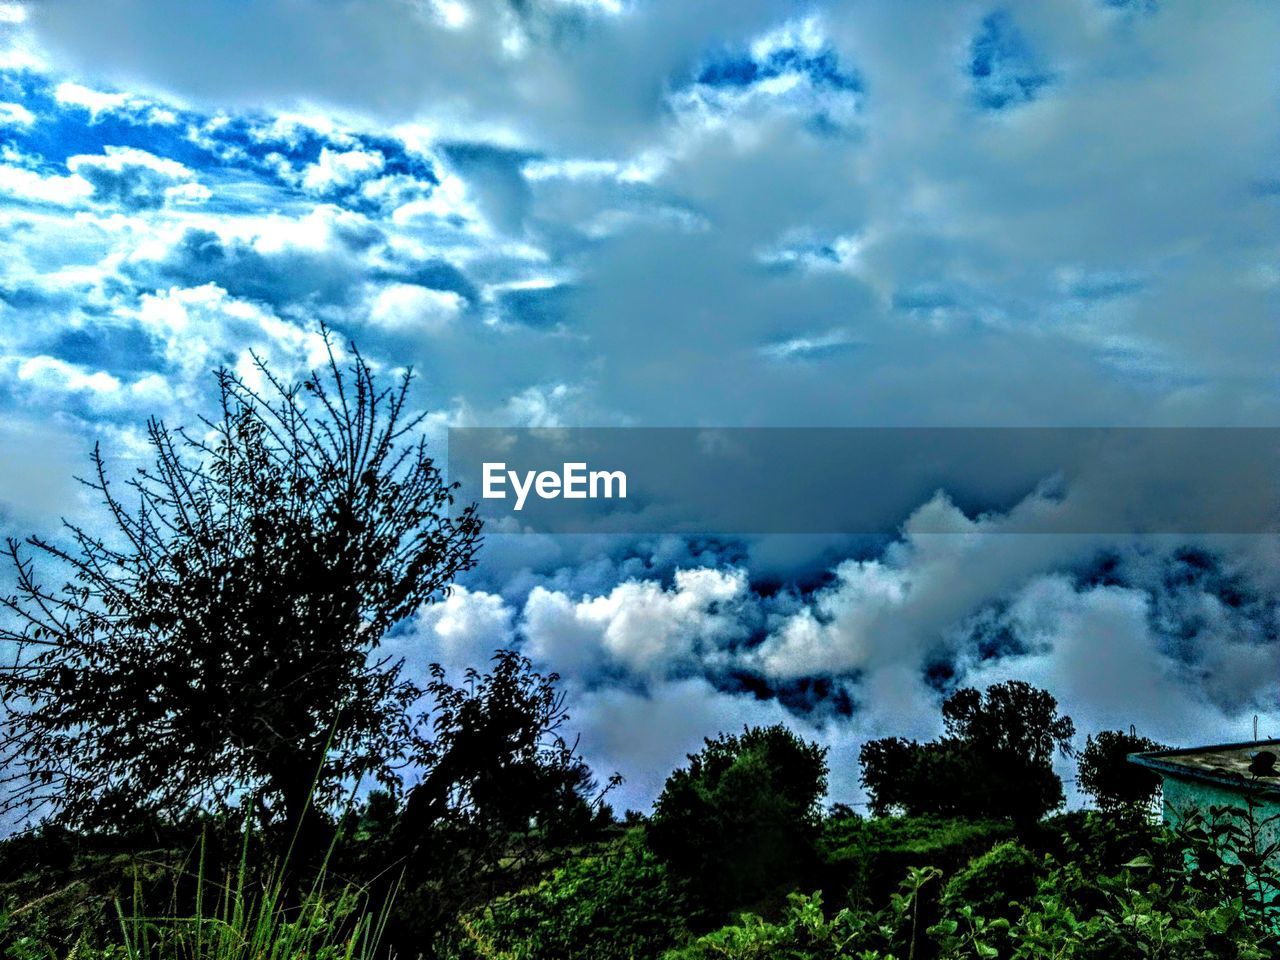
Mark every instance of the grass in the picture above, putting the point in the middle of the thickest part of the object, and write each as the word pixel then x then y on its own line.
pixel 244 916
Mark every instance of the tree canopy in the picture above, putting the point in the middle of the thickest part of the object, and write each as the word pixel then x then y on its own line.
pixel 1105 773
pixel 216 638
pixel 995 759
pixel 741 817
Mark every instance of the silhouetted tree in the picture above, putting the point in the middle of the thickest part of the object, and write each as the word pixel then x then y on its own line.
pixel 501 789
pixel 497 763
pixel 996 759
pixel 1104 772
pixel 217 636
pixel 741 818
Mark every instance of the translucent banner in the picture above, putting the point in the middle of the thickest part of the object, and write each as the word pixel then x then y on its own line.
pixel 869 480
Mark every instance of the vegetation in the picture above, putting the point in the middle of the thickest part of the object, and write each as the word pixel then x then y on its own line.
pixel 615 902
pixel 191 714
pixel 216 635
pixel 740 821
pixel 996 758
pixel 1106 774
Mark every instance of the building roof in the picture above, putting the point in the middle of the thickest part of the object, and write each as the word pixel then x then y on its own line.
pixel 1229 765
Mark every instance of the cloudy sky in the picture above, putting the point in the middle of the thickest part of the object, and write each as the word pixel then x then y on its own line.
pixel 656 212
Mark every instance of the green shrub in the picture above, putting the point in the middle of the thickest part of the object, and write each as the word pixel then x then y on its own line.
pixel 866 859
pixel 803 932
pixel 1144 914
pixel 996 884
pixel 615 904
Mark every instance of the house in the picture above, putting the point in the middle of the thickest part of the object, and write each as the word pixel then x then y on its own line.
pixel 1199 778
pixel 1242 776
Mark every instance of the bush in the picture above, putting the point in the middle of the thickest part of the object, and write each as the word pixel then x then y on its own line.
pixel 803 933
pixel 615 904
pixel 996 884
pixel 866 860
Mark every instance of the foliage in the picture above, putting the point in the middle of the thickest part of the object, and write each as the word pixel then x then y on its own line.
pixel 164 909
pixel 1197 892
pixel 996 884
pixel 1234 850
pixel 740 821
pixel 1105 773
pixel 996 759
pixel 615 903
pixel 804 931
pixel 246 917
pixel 502 791
pixel 1178 900
pixel 865 859
pixel 496 760
pixel 218 636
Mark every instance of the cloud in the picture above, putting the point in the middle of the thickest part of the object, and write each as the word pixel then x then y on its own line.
pixel 459 631
pixel 335 171
pixel 1175 638
pixel 407 307
pixel 16 115
pixel 99 104
pixel 793 68
pixel 43 381
pixel 94 101
pixel 839 151
pixel 672 214
pixel 1004 69
pixel 137 180
pixel 203 327
pixel 638 627
pixel 815 347
pixel 41 483
pixel 26 185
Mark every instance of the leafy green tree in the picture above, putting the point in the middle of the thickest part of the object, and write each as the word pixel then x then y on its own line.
pixel 217 634
pixel 741 819
pixel 995 759
pixel 1104 772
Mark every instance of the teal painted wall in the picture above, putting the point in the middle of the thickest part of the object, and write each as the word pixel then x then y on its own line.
pixel 1184 796
pixel 1181 796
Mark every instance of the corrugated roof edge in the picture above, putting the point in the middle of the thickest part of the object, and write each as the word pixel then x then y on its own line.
pixel 1155 760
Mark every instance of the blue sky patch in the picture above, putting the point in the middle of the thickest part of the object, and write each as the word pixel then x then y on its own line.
pixel 1003 68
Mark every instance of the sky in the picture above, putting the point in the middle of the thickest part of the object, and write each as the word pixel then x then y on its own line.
pixel 662 213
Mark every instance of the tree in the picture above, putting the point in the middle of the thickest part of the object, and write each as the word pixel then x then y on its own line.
pixel 740 819
pixel 1104 772
pixel 217 636
pixel 497 764
pixel 995 760
pixel 501 788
